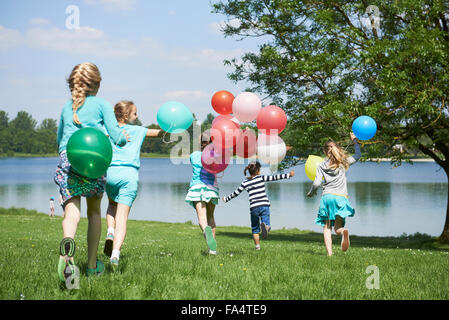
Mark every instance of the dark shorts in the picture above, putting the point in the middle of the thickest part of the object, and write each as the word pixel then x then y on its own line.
pixel 72 184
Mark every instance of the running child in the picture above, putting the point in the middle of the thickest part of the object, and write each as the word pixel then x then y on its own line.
pixel 123 177
pixel 203 195
pixel 258 199
pixel 83 110
pixel 334 203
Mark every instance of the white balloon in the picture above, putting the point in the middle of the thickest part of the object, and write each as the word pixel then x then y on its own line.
pixel 271 149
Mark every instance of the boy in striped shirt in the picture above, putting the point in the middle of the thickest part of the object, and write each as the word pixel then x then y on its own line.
pixel 258 200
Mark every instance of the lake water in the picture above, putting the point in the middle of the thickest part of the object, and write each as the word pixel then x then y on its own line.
pixel 388 201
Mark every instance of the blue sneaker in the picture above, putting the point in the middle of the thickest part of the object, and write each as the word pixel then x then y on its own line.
pixel 98 271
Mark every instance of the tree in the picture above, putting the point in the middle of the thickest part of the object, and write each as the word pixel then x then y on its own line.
pixel 23 121
pixel 327 62
pixel 4 119
pixel 46 137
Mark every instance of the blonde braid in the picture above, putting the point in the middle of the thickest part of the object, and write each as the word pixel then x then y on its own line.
pixel 83 81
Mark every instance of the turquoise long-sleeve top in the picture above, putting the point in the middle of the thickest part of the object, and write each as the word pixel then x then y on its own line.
pixel 94 113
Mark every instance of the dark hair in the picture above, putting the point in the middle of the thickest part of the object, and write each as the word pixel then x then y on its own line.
pixel 205 140
pixel 253 168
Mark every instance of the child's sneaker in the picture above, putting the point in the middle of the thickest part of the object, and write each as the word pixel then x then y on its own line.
pixel 265 230
pixel 257 246
pixel 66 251
pixel 114 263
pixel 108 244
pixel 211 243
pixel 98 271
pixel 61 268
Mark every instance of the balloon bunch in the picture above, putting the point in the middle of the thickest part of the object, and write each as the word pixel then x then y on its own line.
pixel 228 139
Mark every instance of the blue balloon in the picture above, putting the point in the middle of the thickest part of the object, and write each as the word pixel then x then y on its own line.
pixel 364 127
pixel 174 117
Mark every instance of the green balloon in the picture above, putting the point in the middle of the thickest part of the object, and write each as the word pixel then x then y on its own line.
pixel 89 152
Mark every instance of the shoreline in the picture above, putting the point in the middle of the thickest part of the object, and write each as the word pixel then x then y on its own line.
pixel 167 156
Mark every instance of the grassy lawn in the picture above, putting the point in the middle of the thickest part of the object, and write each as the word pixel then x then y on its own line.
pixel 169 261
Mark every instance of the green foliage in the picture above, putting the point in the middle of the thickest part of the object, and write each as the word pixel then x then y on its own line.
pixel 22 135
pixel 325 64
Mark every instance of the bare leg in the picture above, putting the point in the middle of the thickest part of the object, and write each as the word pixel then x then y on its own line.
pixel 93 230
pixel 256 239
pixel 327 233
pixel 72 213
pixel 343 232
pixel 201 212
pixel 121 219
pixel 210 209
pixel 110 214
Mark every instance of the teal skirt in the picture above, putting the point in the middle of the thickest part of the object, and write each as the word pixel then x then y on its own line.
pixel 202 193
pixel 332 206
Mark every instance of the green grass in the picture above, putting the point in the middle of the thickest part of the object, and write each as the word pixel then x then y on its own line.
pixel 169 261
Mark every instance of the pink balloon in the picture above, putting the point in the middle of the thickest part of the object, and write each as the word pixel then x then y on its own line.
pixel 246 106
pixel 213 161
pixel 246 146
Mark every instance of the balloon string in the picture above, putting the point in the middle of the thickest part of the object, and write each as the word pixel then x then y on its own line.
pixel 163 137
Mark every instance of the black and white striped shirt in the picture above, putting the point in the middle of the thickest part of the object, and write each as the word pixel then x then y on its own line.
pixel 256 189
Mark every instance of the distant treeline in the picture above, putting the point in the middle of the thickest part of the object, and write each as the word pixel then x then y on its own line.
pixel 23 135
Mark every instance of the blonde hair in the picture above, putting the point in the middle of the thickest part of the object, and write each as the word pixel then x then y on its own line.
pixel 123 109
pixel 83 81
pixel 336 155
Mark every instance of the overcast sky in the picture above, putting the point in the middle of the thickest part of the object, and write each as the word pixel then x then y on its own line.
pixel 148 51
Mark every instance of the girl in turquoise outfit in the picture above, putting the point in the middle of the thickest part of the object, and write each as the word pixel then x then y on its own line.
pixel 83 110
pixel 203 195
pixel 334 204
pixel 123 177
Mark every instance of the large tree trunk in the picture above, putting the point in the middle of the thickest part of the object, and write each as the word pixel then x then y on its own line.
pixel 444 237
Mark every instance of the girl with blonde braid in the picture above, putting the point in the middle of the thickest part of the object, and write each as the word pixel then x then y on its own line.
pixel 83 110
pixel 334 204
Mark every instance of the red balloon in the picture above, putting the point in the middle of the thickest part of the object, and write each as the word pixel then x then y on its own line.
pixel 222 102
pixel 246 146
pixel 225 134
pixel 221 117
pixel 272 119
pixel 213 161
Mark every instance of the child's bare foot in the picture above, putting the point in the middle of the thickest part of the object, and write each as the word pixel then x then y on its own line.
pixel 345 240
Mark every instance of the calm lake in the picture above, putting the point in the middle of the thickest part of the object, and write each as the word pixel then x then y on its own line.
pixel 388 201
